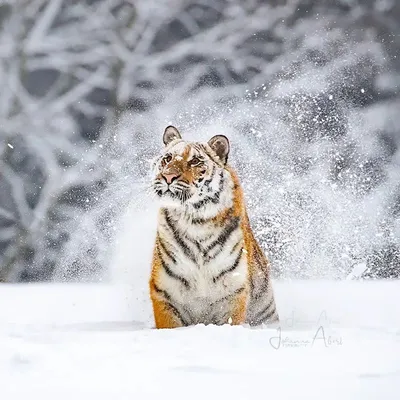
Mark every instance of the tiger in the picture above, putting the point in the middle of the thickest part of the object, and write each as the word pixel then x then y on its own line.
pixel 207 266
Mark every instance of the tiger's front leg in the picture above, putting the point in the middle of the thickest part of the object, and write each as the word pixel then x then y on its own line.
pixel 166 316
pixel 239 308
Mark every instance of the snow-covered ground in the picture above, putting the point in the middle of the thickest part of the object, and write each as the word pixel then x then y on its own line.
pixel 338 340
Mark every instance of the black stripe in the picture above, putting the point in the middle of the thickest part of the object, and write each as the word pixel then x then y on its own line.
pixel 230 269
pixel 260 316
pixel 210 179
pixel 201 221
pixel 200 149
pixel 235 246
pixel 196 146
pixel 218 320
pixel 211 156
pixel 262 289
pixel 212 199
pixel 222 238
pixel 267 317
pixel 181 185
pixel 165 250
pixel 171 273
pixel 188 252
pixel 196 243
pixel 265 309
pixel 236 292
pixel 168 303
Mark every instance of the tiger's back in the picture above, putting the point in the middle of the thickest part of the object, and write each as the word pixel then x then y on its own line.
pixel 207 265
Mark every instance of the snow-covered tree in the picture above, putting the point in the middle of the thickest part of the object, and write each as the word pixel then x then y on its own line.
pixel 307 90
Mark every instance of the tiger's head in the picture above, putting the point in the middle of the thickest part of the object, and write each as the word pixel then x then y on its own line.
pixel 193 176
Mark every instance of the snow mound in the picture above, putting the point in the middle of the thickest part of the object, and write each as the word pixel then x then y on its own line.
pixel 337 340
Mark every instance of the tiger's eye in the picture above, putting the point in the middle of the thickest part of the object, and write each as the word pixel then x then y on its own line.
pixel 195 161
pixel 167 158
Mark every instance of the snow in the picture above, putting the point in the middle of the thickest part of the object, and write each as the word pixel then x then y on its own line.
pixel 357 271
pixel 96 341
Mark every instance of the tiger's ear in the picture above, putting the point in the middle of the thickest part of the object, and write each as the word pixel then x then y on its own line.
pixel 170 134
pixel 220 145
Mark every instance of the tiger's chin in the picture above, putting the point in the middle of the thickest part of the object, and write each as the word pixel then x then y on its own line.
pixel 171 199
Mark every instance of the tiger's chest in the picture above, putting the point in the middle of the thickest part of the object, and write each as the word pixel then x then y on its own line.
pixel 207 266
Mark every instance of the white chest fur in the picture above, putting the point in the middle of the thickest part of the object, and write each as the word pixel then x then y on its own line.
pixel 208 259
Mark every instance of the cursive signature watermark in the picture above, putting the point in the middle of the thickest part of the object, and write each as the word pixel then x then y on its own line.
pixel 294 320
pixel 319 337
pixel 309 333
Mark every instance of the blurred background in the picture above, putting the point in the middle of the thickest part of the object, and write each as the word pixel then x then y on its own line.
pixel 308 92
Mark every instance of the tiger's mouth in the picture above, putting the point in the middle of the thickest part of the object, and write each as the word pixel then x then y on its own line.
pixel 172 193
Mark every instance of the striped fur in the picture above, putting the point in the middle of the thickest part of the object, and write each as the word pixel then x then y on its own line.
pixel 207 265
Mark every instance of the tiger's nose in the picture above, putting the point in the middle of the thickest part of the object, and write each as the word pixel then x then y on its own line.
pixel 170 177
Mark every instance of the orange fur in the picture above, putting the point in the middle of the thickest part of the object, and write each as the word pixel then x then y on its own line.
pixel 239 308
pixel 164 317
